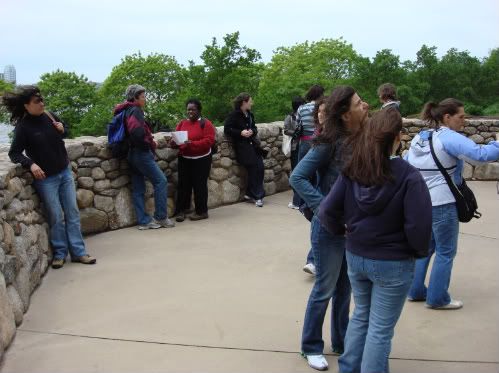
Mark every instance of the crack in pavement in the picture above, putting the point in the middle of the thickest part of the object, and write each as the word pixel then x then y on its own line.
pixel 477 235
pixel 234 348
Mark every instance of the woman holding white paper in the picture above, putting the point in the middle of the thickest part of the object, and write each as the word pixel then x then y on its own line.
pixel 194 161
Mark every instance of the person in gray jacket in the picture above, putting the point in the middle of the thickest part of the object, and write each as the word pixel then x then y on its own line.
pixel 387 94
pixel 291 129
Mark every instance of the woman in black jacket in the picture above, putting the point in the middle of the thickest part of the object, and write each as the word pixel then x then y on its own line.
pixel 240 126
pixel 40 135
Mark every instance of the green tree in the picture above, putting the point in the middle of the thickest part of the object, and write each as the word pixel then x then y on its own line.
pixel 227 70
pixel 160 74
pixel 293 70
pixel 489 80
pixel 69 95
pixel 384 68
pixel 458 76
pixel 4 87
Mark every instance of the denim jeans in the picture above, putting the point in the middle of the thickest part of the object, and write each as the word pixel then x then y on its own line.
pixel 379 290
pixel 59 199
pixel 294 162
pixel 444 236
pixel 331 283
pixel 143 166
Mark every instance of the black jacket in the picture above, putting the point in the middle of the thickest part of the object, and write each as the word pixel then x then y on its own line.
pixel 42 142
pixel 244 146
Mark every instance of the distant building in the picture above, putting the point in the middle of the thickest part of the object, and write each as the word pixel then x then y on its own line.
pixel 1 76
pixel 9 74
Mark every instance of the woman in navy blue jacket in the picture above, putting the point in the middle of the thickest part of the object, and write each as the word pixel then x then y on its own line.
pixel 345 112
pixel 382 205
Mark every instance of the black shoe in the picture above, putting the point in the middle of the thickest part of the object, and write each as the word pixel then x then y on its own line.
pixel 180 217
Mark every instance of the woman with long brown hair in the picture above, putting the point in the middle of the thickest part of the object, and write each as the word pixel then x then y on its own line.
pixel 382 206
pixel 345 113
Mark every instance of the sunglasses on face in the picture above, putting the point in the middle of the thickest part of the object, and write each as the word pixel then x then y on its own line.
pixel 37 100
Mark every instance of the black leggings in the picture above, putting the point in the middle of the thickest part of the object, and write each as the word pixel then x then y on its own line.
pixel 193 175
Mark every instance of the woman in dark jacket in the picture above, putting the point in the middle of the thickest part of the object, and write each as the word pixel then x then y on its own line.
pixel 240 126
pixel 41 134
pixel 383 205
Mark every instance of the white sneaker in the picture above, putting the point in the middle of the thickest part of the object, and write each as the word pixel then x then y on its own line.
pixel 291 206
pixel 318 362
pixel 259 203
pixel 453 305
pixel 150 225
pixel 166 223
pixel 248 198
pixel 309 268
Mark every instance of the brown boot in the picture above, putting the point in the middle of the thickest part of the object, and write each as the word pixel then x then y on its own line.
pixel 57 263
pixel 197 216
pixel 85 259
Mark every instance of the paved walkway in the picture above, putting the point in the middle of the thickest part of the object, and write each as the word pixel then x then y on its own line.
pixel 228 295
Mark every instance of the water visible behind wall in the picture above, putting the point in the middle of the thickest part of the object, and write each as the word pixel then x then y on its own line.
pixel 5 129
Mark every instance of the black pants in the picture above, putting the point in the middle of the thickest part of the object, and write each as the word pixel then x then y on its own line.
pixel 193 175
pixel 254 189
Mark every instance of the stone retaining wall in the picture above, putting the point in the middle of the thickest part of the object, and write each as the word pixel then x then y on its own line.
pixel 104 199
pixel 480 131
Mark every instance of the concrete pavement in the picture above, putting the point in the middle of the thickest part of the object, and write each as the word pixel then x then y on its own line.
pixel 228 295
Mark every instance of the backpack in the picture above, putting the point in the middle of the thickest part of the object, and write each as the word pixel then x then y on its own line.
pixel 117 138
pixel 214 148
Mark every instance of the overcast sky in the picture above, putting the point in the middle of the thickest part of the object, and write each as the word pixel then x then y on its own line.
pixel 91 36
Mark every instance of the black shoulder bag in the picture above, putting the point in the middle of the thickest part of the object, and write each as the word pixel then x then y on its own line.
pixel 465 199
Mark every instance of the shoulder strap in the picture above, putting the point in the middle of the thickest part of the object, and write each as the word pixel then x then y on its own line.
pixel 50 116
pixel 444 172
pixel 202 122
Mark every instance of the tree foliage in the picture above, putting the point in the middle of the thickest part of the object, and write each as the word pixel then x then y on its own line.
pixel 293 70
pixel 67 94
pixel 228 68
pixel 4 86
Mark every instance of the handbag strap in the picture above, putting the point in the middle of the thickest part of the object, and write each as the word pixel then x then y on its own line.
pixel 452 186
pixel 50 116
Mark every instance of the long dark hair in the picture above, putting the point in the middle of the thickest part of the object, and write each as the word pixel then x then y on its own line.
pixel 14 101
pixel 337 104
pixel 318 104
pixel 371 149
pixel 241 97
pixel 434 113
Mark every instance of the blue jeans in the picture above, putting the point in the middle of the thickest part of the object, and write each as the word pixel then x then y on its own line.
pixel 144 166
pixel 59 198
pixel 379 290
pixel 444 235
pixel 331 283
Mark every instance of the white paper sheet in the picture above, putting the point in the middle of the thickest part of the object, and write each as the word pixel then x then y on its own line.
pixel 179 137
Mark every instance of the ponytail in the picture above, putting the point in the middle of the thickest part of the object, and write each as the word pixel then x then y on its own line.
pixel 434 113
